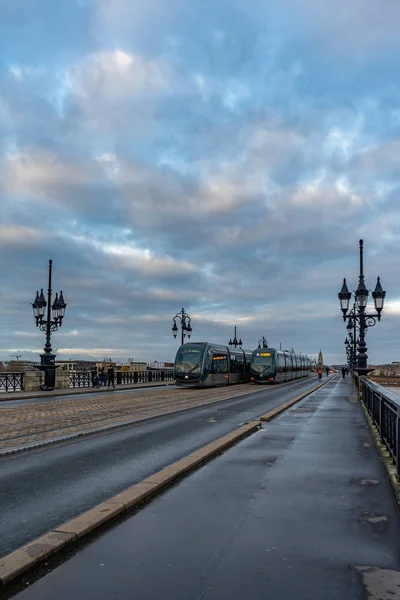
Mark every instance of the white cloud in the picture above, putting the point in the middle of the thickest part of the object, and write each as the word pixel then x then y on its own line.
pixel 110 75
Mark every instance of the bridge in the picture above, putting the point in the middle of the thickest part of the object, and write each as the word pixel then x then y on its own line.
pixel 280 492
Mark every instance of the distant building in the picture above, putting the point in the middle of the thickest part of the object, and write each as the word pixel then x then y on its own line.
pixel 137 366
pixel 17 366
pixel 320 358
pixel 160 365
pixel 75 366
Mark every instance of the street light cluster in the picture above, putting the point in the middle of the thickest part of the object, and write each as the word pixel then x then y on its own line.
pixel 55 315
pixel 358 319
pixel 235 342
pixel 185 324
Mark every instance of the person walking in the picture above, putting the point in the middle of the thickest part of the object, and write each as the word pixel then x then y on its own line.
pixel 110 376
pixel 94 376
pixel 319 371
pixel 327 371
pixel 343 372
pixel 102 377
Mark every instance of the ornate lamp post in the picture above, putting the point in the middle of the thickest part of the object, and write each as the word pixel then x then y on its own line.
pixel 48 325
pixel 359 316
pixel 186 328
pixel 352 329
pixel 235 342
pixel 262 343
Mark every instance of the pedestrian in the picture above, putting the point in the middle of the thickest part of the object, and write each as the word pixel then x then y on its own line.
pixel 110 376
pixel 327 371
pixel 343 372
pixel 102 377
pixel 319 371
pixel 347 370
pixel 94 377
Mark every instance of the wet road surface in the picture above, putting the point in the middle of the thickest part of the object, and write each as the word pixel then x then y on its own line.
pixel 43 488
pixel 285 514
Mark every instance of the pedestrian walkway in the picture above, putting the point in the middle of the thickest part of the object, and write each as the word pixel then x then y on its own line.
pixel 300 510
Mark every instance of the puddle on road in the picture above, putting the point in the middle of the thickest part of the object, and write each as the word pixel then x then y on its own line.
pixel 366 482
pixel 380 522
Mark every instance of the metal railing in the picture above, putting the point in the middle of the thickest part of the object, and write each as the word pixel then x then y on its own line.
pixel 84 379
pixel 384 407
pixel 11 382
pixel 80 380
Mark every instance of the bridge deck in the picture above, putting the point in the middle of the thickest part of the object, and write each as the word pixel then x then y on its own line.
pixel 287 513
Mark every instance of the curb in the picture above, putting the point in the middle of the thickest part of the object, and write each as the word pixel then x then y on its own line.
pixel 385 456
pixel 52 543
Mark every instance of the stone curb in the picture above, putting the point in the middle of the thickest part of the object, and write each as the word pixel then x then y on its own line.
pixel 17 563
pixel 279 409
pixel 386 457
pixel 80 390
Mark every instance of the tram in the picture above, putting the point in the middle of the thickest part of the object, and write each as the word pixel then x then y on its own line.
pixel 275 366
pixel 203 364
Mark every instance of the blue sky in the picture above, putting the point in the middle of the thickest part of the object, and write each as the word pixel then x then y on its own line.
pixel 222 156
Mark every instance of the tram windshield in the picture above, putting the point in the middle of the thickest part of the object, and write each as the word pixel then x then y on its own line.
pixel 262 358
pixel 189 359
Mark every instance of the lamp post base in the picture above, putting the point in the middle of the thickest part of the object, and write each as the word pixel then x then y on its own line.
pixel 47 364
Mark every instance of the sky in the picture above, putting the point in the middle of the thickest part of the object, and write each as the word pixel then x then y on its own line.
pixel 224 156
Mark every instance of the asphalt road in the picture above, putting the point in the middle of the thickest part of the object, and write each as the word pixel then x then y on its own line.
pixel 43 488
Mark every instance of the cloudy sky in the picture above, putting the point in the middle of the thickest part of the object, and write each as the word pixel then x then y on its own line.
pixel 224 156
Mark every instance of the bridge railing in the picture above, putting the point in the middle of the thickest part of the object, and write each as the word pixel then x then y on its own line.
pixel 11 382
pixel 384 407
pixel 84 379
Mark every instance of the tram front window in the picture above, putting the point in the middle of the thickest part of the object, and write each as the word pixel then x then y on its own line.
pixel 262 359
pixel 188 361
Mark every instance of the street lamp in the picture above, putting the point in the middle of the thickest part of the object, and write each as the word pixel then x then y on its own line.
pixel 186 328
pixel 352 329
pixel 262 343
pixel 235 342
pixel 358 318
pixel 48 325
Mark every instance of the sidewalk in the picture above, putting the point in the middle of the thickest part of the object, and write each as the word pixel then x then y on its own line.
pixel 291 512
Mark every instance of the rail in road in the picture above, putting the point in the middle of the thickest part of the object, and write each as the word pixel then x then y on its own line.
pixel 43 488
pixel 43 423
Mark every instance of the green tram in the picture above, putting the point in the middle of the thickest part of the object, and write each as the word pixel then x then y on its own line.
pixel 275 366
pixel 203 364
